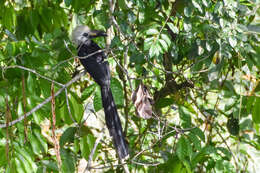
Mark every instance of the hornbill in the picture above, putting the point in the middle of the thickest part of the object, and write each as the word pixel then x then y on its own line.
pixel 96 65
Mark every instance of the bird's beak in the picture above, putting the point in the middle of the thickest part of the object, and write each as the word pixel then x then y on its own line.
pixel 97 33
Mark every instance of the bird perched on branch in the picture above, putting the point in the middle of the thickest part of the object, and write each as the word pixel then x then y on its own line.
pixel 94 62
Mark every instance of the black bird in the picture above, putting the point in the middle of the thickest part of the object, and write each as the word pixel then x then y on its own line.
pixel 97 66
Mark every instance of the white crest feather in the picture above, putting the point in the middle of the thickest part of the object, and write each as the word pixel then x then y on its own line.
pixel 77 34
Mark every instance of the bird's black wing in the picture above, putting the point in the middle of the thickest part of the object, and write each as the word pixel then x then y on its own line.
pixel 98 68
pixel 95 65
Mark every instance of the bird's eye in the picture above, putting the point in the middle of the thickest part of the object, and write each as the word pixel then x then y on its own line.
pixel 85 34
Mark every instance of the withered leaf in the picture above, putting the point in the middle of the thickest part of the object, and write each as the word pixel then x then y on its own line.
pixel 143 101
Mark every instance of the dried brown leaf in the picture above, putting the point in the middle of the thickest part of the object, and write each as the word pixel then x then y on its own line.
pixel 143 101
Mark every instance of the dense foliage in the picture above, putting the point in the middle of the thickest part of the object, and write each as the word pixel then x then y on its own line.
pixel 199 59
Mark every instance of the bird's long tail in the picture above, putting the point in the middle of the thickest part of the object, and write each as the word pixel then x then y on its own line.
pixel 113 122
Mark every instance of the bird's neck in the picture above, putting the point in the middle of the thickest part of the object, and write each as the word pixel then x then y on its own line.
pixel 85 43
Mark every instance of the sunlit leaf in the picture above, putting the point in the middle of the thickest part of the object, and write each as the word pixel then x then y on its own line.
pixel 117 91
pixel 88 91
pixel 152 31
pixel 173 28
pixel 166 38
pixel 97 100
pixel 256 110
pixel 67 136
pixel 68 161
pixel 232 41
pixel 197 5
pixel 163 44
pixel 77 108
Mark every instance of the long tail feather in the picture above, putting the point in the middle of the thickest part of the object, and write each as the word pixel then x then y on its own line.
pixel 113 122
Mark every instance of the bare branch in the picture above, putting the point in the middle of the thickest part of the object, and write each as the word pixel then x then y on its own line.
pixel 83 57
pixel 44 102
pixel 33 71
pixel 53 129
pixel 93 150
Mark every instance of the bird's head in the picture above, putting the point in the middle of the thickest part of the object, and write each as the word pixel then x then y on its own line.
pixel 83 34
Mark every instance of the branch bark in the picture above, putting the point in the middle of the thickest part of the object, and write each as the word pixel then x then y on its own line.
pixel 44 102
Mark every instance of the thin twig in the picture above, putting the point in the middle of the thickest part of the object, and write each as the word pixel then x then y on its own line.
pixel 44 102
pixel 53 129
pixel 112 20
pixel 82 57
pixel 124 70
pixel 146 164
pixel 103 167
pixel 33 71
pixel 68 106
pixel 216 130
pixel 90 157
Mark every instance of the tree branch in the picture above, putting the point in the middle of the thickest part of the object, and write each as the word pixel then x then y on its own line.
pixel 93 150
pixel 44 102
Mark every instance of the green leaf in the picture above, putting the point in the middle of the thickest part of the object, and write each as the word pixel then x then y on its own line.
pixel 68 2
pixel 195 140
pixel 173 165
pixel 46 18
pixel 3 159
pixel 187 166
pixel 166 38
pixel 10 48
pixel 185 116
pixel 77 107
pixel 86 145
pixel 182 148
pixel 187 11
pixel 164 102
pixel 8 17
pixel 88 91
pixel 45 87
pixel 197 5
pixel 232 41
pixel 173 28
pixel 31 83
pixel 163 44
pixel 41 140
pixel 26 159
pixel 233 125
pixel 19 165
pixel 154 50
pixel 189 148
pixel 225 152
pixel 117 91
pixel 137 58
pixel 68 136
pixel 197 131
pixel 68 161
pixel 64 114
pixel 97 102
pixel 254 28
pixel 37 146
pixel 34 19
pixel 117 43
pixel 256 110
pixel 201 155
pixel 152 31
pixel 187 26
pixel 50 165
pixel 122 4
pixel 24 162
pixel 148 43
pixel 84 131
